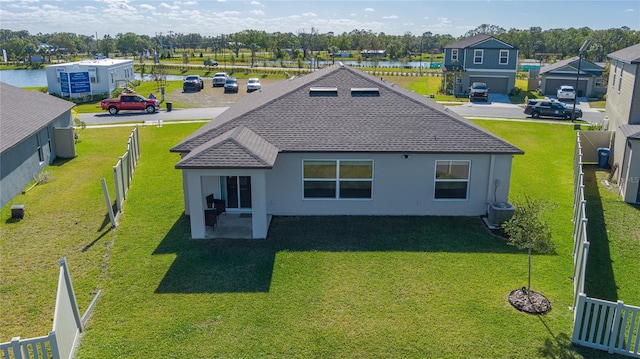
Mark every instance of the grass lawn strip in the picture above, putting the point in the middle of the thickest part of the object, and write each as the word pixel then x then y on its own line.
pixel 421 287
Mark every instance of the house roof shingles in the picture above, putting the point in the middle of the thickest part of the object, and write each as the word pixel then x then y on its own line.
pixel 630 55
pixel 286 116
pixel 18 122
pixel 469 41
pixel 631 131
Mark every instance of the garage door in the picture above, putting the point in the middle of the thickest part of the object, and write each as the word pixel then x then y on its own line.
pixel 495 84
pixel 552 85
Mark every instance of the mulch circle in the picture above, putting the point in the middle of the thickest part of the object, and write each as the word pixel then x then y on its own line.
pixel 529 302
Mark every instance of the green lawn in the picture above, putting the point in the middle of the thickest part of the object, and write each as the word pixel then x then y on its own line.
pixel 410 287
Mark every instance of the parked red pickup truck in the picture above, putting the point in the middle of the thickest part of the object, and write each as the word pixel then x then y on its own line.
pixel 130 102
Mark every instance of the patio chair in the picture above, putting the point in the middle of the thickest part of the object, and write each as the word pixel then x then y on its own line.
pixel 218 204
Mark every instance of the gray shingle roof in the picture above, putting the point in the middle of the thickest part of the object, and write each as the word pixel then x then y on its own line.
pixel 237 148
pixel 631 131
pixel 573 63
pixel 23 113
pixel 630 55
pixel 469 41
pixel 287 116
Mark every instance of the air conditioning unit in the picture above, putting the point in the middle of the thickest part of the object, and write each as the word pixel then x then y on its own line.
pixel 499 212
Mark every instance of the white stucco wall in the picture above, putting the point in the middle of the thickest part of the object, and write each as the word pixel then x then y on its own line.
pixel 400 186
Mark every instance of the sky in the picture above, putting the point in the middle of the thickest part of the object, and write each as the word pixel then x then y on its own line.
pixel 215 17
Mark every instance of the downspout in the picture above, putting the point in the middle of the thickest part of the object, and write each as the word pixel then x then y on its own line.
pixel 490 180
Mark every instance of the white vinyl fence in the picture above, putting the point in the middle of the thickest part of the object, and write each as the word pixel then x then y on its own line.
pixel 122 176
pixel 598 324
pixel 124 168
pixel 61 341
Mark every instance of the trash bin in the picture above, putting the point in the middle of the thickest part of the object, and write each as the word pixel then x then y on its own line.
pixel 169 106
pixel 603 157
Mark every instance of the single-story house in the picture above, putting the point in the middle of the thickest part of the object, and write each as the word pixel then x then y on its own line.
pixel 35 129
pixel 623 113
pixel 89 77
pixel 341 142
pixel 565 72
pixel 480 58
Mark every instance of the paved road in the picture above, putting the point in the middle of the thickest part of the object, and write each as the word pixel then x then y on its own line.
pixel 504 110
pixel 492 109
pixel 104 118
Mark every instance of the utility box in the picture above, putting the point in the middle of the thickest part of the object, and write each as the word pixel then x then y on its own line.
pixel 499 212
pixel 17 211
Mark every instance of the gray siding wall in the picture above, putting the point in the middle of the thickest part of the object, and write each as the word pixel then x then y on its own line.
pixel 491 60
pixel 447 56
pixel 400 186
pixel 623 107
pixel 20 164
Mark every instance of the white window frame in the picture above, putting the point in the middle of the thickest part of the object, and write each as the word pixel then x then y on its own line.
pixel 454 54
pixel 337 180
pixel 503 57
pixel 620 81
pixel 615 74
pixel 475 56
pixel 39 148
pixel 451 180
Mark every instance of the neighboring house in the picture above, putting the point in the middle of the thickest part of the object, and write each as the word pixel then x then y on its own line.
pixel 341 142
pixel 481 58
pixel 623 112
pixel 565 72
pixel 89 77
pixel 35 128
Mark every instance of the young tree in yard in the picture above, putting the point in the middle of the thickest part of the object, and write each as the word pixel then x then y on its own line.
pixel 526 229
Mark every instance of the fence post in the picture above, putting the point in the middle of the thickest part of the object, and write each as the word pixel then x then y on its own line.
pixel 615 327
pixel 578 317
pixel 17 349
pixel 53 342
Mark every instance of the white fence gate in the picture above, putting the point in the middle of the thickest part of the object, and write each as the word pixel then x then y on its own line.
pixel 597 323
pixel 604 325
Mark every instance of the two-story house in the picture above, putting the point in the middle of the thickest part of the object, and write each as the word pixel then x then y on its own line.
pixel 480 58
pixel 623 111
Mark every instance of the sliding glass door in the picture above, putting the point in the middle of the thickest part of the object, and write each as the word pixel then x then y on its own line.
pixel 238 192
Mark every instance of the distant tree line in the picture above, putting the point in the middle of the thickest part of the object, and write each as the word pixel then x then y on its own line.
pixel 534 43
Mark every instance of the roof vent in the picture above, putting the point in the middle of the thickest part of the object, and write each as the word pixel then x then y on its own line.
pixel 323 91
pixel 365 91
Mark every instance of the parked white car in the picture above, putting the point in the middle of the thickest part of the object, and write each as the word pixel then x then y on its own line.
pixel 253 84
pixel 566 93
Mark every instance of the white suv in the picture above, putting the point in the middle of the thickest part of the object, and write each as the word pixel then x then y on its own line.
pixel 566 93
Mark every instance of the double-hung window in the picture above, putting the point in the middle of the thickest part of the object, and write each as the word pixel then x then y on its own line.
pixel 452 179
pixel 337 179
pixel 477 56
pixel 454 55
pixel 504 57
